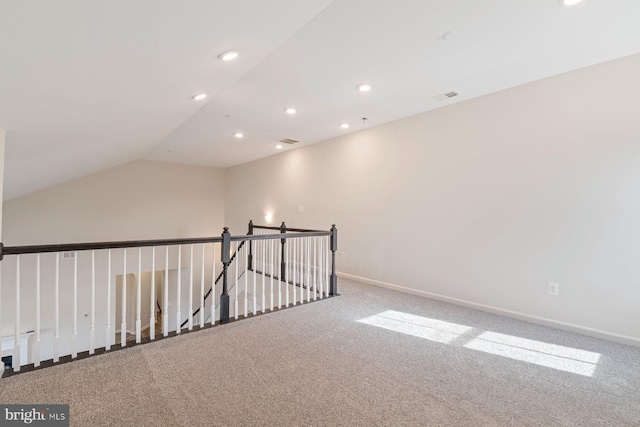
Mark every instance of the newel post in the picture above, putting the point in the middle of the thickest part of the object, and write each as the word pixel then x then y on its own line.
pixel 225 257
pixel 333 280
pixel 283 265
pixel 250 257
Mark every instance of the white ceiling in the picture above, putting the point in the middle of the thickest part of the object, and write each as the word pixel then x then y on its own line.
pixel 85 86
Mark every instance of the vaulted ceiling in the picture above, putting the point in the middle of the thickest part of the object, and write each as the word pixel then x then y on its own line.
pixel 85 86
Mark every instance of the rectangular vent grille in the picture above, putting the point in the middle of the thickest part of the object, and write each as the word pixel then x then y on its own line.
pixel 288 141
pixel 68 255
pixel 444 96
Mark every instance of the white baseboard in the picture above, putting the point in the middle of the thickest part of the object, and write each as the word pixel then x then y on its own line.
pixel 598 333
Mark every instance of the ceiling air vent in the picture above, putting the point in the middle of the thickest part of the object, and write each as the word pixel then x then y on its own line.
pixel 444 96
pixel 288 141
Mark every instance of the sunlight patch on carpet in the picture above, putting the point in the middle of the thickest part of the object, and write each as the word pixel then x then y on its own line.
pixel 417 326
pixel 554 356
pixel 567 359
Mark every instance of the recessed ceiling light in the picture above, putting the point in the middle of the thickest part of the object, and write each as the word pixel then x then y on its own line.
pixel 229 55
pixel 569 2
pixel 344 126
pixel 279 147
pixel 200 96
pixel 290 110
pixel 364 88
pixel 238 135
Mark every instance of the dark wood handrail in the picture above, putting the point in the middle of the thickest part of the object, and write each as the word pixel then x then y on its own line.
pixel 280 236
pixel 73 247
pixel 76 247
pixel 301 230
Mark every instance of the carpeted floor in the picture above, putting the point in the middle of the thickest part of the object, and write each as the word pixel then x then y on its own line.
pixel 369 357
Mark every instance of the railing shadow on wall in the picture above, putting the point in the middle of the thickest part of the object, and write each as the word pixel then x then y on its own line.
pixel 61 300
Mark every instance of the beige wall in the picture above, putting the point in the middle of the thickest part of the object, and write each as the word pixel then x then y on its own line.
pixel 138 200
pixel 2 143
pixel 485 201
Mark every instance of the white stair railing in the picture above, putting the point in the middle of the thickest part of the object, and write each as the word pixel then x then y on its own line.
pixel 70 299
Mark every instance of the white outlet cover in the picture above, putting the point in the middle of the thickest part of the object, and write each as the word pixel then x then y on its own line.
pixel 553 288
pixel 301 208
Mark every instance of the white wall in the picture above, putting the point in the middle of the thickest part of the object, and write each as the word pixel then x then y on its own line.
pixel 485 201
pixel 138 200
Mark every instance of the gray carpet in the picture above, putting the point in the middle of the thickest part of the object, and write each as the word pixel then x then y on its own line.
pixel 426 363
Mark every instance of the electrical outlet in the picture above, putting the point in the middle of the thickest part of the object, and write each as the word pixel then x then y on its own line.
pixel 553 288
pixel 301 209
pixel 343 255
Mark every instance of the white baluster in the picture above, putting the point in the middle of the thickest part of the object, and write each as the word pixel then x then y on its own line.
pixel 213 286
pixel 107 333
pixel 202 290
pixel 165 303
pixel 74 333
pixel 191 287
pixel 279 273
pixel 315 267
pixel 178 302
pixel 36 344
pixel 302 281
pixel 308 269
pixel 56 313
pixel 304 272
pixel 263 243
pixel 320 258
pixel 286 272
pixel 16 338
pixel 271 272
pixel 246 278
pixel 293 267
pixel 139 298
pixel 235 281
pixel 152 311
pixel 92 329
pixel 321 267
pixel 306 266
pixel 123 322
pixel 326 266
pixel 299 267
pixel 255 270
